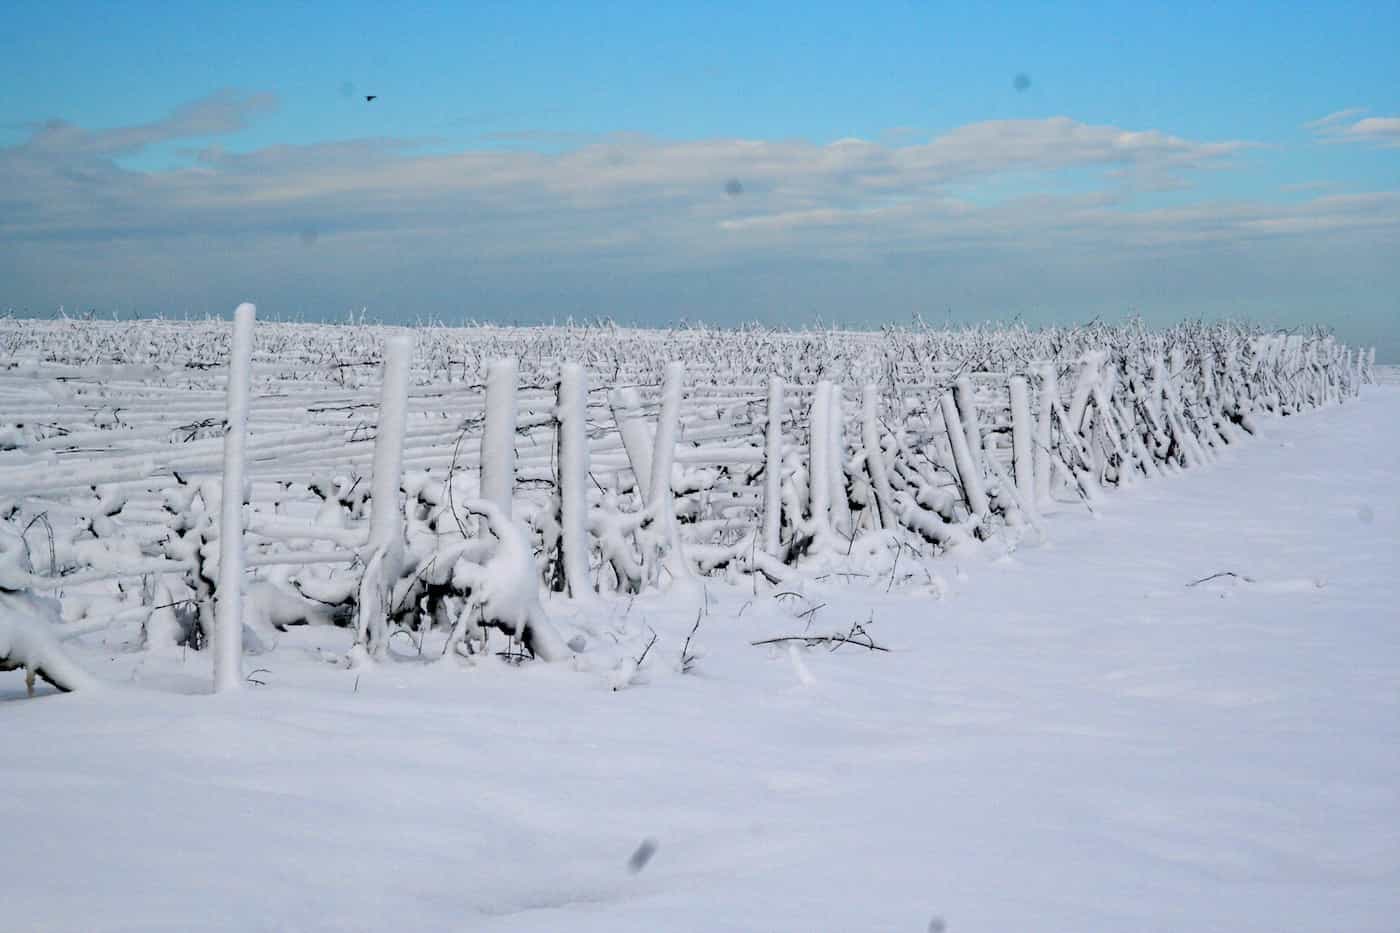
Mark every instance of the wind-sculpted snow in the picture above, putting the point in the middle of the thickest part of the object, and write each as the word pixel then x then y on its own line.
pixel 619 461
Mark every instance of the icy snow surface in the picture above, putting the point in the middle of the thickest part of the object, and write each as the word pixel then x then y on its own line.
pixel 1071 739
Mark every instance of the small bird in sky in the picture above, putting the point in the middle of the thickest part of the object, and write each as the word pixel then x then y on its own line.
pixel 370 97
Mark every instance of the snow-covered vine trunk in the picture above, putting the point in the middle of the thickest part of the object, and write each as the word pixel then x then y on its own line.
pixel 27 642
pixel 637 440
pixel 228 596
pixel 875 456
pixel 969 474
pixel 384 552
pixel 498 436
pixel 573 479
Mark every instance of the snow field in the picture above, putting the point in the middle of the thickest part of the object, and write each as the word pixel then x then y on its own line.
pixel 1073 738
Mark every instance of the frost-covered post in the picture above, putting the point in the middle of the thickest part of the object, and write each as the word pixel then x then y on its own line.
pixel 498 436
pixel 1022 462
pixel 773 469
pixel 573 478
pixel 1049 392
pixel 385 547
pixel 386 514
pixel 228 598
pixel 839 496
pixel 819 467
pixel 663 502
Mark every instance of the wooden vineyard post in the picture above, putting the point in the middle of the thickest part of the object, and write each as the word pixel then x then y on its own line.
pixel 573 479
pixel 385 548
pixel 773 469
pixel 818 464
pixel 1022 460
pixel 498 436
pixel 838 494
pixel 1049 391
pixel 228 597
pixel 663 458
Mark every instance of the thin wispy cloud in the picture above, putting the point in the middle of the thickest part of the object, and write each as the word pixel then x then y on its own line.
pixel 1349 126
pixel 218 114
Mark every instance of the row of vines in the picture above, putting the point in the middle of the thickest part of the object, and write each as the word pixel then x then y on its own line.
pixel 425 489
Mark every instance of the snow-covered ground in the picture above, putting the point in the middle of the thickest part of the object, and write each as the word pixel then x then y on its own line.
pixel 1073 738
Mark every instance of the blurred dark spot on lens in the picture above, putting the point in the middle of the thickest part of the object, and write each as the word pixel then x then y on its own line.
pixel 644 852
pixel 1022 82
pixel 309 236
pixel 733 187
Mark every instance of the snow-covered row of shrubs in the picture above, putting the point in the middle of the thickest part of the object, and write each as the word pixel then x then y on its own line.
pixel 748 455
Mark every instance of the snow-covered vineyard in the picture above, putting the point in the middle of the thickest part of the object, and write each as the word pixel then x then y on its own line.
pixel 432 493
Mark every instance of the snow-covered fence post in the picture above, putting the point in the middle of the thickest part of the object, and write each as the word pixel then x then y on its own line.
pixel 663 498
pixel 385 547
pixel 818 463
pixel 839 493
pixel 1022 462
pixel 773 469
pixel 498 436
pixel 386 515
pixel 1049 392
pixel 573 478
pixel 228 597
pixel 875 458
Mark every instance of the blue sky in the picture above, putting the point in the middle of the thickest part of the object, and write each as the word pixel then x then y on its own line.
pixel 533 160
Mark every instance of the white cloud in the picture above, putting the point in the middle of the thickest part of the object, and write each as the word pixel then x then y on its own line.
pixel 1000 211
pixel 66 182
pixel 1344 127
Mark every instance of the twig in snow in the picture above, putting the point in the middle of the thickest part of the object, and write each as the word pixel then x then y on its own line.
pixel 835 640
pixel 811 614
pixel 1223 573
pixel 688 659
pixel 23 537
pixel 643 656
